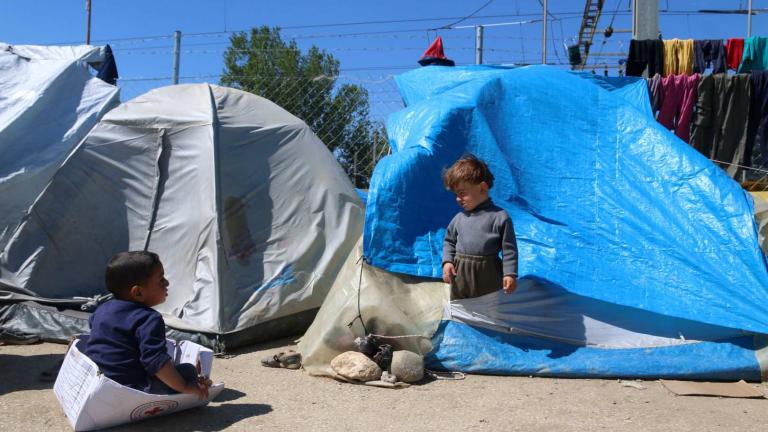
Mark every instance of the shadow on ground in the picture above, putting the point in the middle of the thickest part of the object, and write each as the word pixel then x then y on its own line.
pixel 19 373
pixel 207 418
pixel 228 395
pixel 279 343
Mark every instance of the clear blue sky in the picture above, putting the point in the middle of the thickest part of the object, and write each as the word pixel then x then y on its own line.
pixel 370 50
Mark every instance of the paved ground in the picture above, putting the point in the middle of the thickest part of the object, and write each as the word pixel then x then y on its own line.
pixel 258 398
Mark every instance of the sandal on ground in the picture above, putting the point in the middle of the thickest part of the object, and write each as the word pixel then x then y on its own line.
pixel 289 360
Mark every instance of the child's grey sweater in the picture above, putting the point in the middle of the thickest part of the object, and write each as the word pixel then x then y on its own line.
pixel 485 230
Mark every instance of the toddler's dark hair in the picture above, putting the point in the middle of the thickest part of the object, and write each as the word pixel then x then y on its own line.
pixel 127 269
pixel 468 169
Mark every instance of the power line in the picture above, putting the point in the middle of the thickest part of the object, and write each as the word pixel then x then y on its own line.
pixel 399 21
pixel 563 15
pixel 466 17
pixel 343 24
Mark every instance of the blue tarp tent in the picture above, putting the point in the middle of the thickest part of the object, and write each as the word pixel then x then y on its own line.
pixel 638 256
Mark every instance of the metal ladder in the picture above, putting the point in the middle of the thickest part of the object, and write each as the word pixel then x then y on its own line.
pixel 592 11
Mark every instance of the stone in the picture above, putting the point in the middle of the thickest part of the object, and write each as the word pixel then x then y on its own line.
pixel 388 377
pixel 407 366
pixel 356 366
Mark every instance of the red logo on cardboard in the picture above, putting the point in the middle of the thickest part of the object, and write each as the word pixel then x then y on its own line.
pixel 153 409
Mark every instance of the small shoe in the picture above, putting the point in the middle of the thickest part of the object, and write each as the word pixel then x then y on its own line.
pixel 289 360
pixel 292 360
pixel 272 361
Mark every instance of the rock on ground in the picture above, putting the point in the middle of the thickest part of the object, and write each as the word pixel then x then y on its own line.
pixel 407 366
pixel 356 366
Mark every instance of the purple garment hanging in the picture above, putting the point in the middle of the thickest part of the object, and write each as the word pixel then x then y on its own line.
pixel 678 98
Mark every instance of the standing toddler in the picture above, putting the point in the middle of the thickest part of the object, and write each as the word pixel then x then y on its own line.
pixel 476 235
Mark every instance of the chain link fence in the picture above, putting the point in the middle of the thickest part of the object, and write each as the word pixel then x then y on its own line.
pixel 357 138
pixel 358 150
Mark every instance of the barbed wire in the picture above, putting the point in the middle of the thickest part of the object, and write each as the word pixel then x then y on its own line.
pixel 226 43
pixel 328 50
pixel 385 37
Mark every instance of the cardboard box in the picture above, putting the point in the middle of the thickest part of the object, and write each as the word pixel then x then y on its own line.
pixel 91 401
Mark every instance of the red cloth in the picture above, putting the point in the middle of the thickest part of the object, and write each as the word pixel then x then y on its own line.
pixel 734 50
pixel 434 55
pixel 678 94
pixel 435 50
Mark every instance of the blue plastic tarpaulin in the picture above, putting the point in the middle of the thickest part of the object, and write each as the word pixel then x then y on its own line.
pixel 606 203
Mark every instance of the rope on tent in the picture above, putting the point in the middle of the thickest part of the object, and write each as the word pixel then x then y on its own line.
pixel 741 166
pixel 446 376
pixel 359 316
pixel 399 337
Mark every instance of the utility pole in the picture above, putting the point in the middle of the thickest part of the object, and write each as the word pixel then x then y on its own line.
pixel 176 52
pixel 645 19
pixel 88 25
pixel 544 35
pixel 749 20
pixel 479 44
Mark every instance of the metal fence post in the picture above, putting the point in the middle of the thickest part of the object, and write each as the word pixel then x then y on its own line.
pixel 373 149
pixel 479 44
pixel 544 34
pixel 354 169
pixel 176 54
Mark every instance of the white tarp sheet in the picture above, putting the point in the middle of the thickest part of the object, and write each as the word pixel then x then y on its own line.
pixel 48 103
pixel 406 308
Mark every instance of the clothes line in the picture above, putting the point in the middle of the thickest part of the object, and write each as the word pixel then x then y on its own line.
pixel 724 115
pixel 689 56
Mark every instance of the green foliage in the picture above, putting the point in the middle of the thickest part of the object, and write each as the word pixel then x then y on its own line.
pixel 305 84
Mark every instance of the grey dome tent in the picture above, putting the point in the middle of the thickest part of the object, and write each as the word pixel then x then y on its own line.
pixel 250 213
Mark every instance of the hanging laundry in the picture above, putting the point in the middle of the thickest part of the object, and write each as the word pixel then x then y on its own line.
pixel 709 52
pixel 678 99
pixel 645 54
pixel 720 120
pixel 757 130
pixel 654 91
pixel 755 54
pixel 678 57
pixel 734 50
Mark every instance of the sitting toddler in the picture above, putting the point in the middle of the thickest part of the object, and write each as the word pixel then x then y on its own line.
pixel 127 338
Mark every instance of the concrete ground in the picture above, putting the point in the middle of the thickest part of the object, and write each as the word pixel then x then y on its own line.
pixel 259 398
